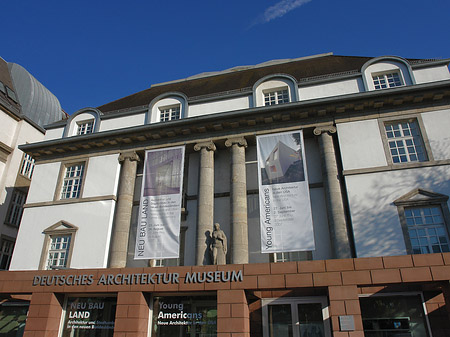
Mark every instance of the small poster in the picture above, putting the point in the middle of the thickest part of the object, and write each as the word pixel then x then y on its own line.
pixel 285 208
pixel 158 229
pixel 89 317
pixel 184 316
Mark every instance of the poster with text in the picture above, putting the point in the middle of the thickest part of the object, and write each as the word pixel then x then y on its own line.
pixel 285 208
pixel 158 231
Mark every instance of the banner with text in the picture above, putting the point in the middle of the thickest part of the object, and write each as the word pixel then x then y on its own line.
pixel 285 208
pixel 158 231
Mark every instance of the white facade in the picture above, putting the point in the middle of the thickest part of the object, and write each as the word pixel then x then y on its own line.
pixel 347 100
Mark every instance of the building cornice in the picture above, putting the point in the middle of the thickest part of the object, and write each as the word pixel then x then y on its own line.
pixel 245 120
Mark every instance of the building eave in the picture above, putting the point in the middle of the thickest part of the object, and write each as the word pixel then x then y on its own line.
pixel 298 114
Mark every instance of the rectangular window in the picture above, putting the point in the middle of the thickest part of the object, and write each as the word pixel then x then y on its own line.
pixel 276 97
pixel 394 315
pixel 165 263
pixel 11 94
pixel 13 316
pixel 389 80
pixel 85 127
pixel 170 113
pixel 289 256
pixel 58 252
pixel 6 250
pixel 27 167
pixel 288 317
pixel 73 178
pixel 427 230
pixel 405 142
pixel 16 208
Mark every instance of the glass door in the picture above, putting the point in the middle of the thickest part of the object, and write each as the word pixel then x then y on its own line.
pixel 296 317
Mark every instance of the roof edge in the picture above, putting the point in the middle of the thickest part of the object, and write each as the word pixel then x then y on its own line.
pixel 241 68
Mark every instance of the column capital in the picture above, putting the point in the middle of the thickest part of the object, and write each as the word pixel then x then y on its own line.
pixel 130 155
pixel 324 128
pixel 236 140
pixel 209 145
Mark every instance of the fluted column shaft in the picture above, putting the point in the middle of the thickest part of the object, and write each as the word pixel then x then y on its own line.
pixel 122 221
pixel 239 228
pixel 333 193
pixel 205 210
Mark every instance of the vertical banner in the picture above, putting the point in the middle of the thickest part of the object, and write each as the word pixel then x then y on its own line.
pixel 158 231
pixel 284 205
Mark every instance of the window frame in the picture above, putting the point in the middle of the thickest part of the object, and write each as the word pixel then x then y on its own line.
pixel 382 122
pixel 61 179
pixel 27 166
pixel 429 199
pixel 407 294
pixel 59 229
pixel 13 205
pixel 85 123
pixel 11 241
pixel 294 302
pixel 385 75
pixel 292 256
pixel 170 108
pixel 276 91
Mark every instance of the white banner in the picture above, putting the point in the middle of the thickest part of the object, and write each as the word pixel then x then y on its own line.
pixel 285 208
pixel 158 231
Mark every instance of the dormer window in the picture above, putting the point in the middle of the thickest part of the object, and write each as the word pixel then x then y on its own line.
pixel 387 72
pixel 387 80
pixel 278 96
pixel 169 113
pixel 85 127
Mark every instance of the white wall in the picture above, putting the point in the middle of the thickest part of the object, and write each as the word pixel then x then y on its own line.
pixel 8 128
pixel 425 75
pixel 43 184
pixel 224 105
pixel 361 144
pixel 122 122
pixel 337 88
pixel 54 133
pixel 91 244
pixel 376 225
pixel 101 176
pixel 437 126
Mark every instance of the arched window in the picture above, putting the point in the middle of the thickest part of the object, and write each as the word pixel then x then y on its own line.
pixel 83 122
pixel 275 89
pixel 167 107
pixel 386 72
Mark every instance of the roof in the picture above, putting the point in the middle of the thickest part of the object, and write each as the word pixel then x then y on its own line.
pixel 6 79
pixel 37 102
pixel 242 77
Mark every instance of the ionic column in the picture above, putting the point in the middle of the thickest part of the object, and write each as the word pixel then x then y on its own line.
pixel 121 230
pixel 333 193
pixel 205 210
pixel 239 228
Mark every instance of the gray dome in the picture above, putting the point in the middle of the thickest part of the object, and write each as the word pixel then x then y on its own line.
pixel 37 102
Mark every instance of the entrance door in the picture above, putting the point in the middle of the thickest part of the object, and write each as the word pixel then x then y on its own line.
pixel 296 317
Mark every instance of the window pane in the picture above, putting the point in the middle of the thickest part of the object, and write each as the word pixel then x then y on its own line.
pixel 427 231
pixel 407 145
pixel 280 320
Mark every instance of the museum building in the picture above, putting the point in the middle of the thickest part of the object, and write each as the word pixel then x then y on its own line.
pixel 370 136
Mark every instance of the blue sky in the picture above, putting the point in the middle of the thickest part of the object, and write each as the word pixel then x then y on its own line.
pixel 92 52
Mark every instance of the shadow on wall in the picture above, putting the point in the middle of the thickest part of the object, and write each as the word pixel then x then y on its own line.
pixel 375 220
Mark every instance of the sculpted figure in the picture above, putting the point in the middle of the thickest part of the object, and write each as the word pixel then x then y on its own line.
pixel 219 245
